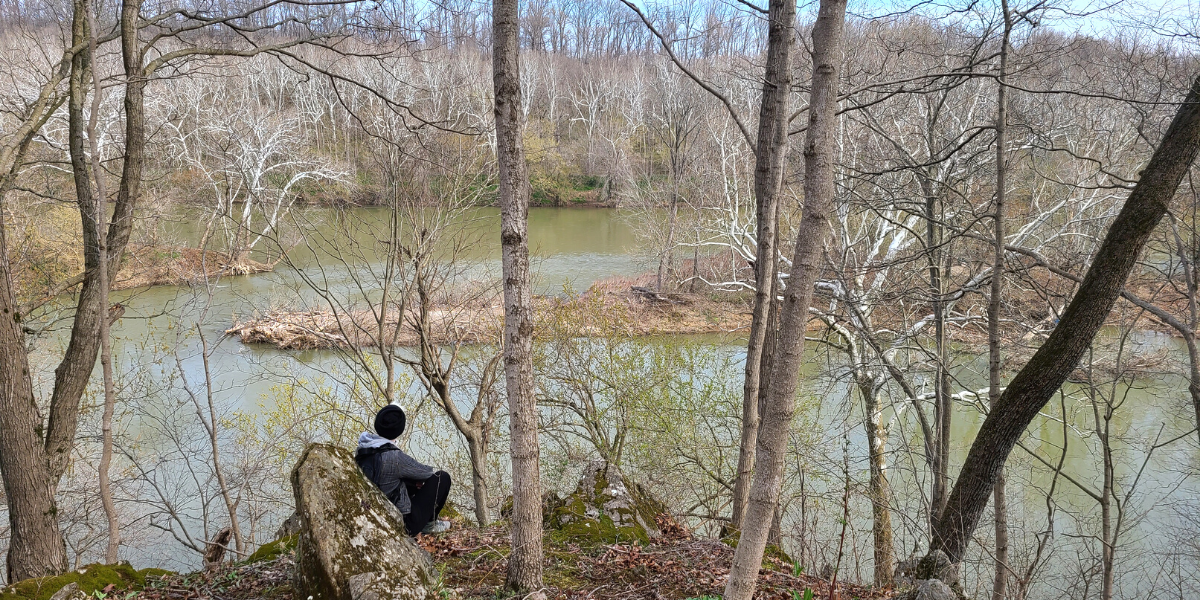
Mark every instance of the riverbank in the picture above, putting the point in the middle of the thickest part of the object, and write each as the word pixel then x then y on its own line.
pixel 145 266
pixel 141 266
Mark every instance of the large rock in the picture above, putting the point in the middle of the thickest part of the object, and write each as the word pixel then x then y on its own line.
pixel 932 577
pixel 931 589
pixel 352 542
pixel 604 508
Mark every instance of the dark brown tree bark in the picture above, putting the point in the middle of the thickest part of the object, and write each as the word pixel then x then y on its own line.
pixel 525 561
pixel 72 375
pixel 820 155
pixel 770 157
pixel 35 546
pixel 1049 367
pixel 999 500
pixel 33 458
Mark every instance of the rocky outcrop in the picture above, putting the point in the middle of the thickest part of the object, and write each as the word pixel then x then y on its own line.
pixel 352 544
pixel 606 508
pixel 932 577
pixel 931 589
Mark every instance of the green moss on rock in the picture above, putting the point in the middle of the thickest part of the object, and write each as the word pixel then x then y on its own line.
pixel 604 509
pixel 772 551
pixel 90 579
pixel 352 544
pixel 275 549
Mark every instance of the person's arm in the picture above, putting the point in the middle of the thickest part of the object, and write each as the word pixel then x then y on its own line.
pixel 410 468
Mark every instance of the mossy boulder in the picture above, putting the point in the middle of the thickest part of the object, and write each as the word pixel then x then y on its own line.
pixel 352 544
pixel 88 580
pixel 275 549
pixel 605 508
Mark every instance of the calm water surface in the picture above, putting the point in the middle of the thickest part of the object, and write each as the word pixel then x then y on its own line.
pixel 573 248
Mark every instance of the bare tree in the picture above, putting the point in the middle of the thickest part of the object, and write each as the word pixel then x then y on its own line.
pixel 770 161
pixel 999 501
pixel 819 161
pixel 525 562
pixel 1046 370
pixel 32 476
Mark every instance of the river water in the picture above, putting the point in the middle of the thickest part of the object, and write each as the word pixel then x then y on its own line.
pixel 572 248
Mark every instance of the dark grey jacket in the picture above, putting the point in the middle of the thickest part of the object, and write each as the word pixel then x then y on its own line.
pixel 389 467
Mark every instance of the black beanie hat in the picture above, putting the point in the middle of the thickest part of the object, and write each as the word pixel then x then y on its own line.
pixel 389 422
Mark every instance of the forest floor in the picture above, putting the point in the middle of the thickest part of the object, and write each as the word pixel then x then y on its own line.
pixel 473 562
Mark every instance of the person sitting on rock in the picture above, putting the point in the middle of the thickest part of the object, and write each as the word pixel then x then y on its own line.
pixel 416 489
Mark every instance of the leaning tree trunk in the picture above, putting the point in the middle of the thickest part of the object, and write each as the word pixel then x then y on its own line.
pixel 770 158
pixel 1049 367
pixel 819 161
pixel 525 561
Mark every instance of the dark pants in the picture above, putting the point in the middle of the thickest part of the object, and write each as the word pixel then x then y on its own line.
pixel 427 501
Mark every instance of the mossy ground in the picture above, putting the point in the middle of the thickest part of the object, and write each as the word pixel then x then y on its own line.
pixel 90 579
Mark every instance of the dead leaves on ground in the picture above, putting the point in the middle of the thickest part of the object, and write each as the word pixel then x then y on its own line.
pixel 473 563
pixel 269 580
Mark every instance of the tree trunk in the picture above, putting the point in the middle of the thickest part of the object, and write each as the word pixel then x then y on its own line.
pixel 35 546
pixel 999 503
pixel 231 504
pixel 1049 367
pixel 1000 507
pixel 1194 376
pixel 525 562
pixel 30 463
pixel 665 264
pixel 819 162
pixel 881 495
pixel 479 482
pixel 770 158
pixel 941 412
pixel 110 395
pixel 72 375
pixel 1108 533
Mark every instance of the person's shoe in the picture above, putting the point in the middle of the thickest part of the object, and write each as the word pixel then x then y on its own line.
pixel 437 527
